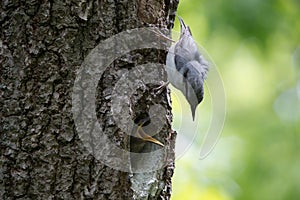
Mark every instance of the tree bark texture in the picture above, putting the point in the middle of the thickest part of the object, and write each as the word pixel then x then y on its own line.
pixel 42 46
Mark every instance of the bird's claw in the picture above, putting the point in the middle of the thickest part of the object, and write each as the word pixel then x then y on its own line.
pixel 163 36
pixel 161 88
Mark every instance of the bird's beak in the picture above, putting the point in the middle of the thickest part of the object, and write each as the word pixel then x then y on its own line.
pixel 144 136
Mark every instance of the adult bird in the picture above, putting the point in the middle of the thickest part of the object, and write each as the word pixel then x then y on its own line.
pixel 186 67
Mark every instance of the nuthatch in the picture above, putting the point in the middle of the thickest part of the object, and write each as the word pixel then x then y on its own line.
pixel 186 67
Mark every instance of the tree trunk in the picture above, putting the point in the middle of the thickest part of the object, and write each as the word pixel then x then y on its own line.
pixel 46 50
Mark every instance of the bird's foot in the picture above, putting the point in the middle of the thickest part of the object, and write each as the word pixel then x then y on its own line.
pixel 163 36
pixel 161 88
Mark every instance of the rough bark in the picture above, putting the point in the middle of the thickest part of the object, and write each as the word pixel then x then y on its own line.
pixel 42 46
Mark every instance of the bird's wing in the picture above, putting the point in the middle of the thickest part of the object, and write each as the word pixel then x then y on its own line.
pixel 193 80
pixel 203 65
pixel 193 73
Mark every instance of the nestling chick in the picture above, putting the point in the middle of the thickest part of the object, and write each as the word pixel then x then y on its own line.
pixel 141 121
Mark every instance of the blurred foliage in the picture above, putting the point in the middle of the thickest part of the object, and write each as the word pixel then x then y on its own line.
pixel 255 45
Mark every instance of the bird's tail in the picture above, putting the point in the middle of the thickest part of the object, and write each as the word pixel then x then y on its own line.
pixel 182 24
pixel 184 29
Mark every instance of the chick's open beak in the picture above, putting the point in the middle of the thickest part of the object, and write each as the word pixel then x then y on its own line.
pixel 140 133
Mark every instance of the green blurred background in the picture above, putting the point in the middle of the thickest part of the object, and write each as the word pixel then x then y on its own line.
pixel 255 44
